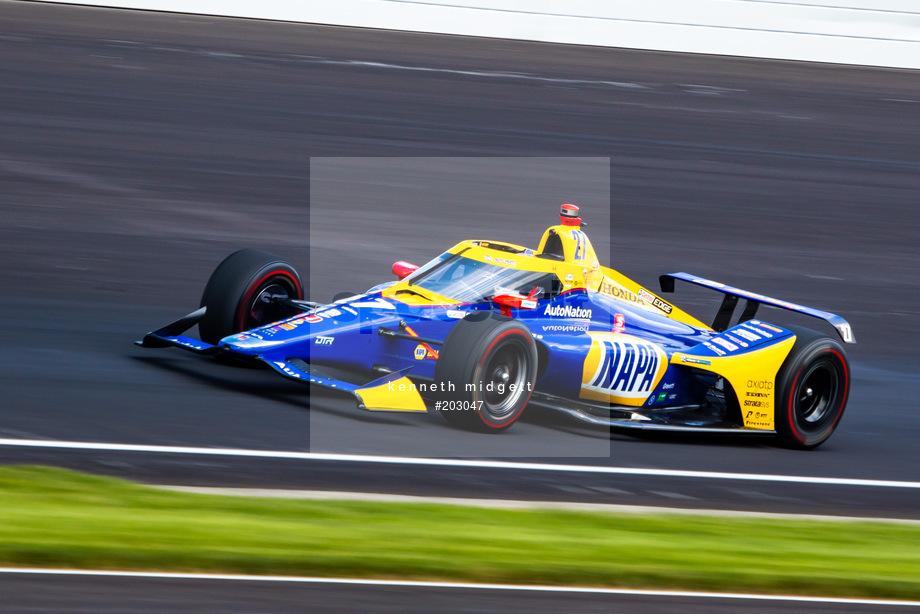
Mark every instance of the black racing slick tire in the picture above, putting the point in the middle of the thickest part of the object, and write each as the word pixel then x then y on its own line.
pixel 485 372
pixel 236 295
pixel 812 386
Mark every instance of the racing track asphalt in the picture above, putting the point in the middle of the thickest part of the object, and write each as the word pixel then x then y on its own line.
pixel 138 149
pixel 102 595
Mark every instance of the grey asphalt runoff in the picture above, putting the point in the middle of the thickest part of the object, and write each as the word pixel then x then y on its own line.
pixel 37 594
pixel 138 149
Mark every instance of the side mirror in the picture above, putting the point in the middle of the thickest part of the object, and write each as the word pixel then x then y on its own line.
pixel 506 301
pixel 404 269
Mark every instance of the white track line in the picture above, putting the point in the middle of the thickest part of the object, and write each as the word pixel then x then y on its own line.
pixel 452 585
pixel 439 462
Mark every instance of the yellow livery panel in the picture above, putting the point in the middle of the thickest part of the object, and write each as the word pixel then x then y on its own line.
pixel 399 395
pixel 752 376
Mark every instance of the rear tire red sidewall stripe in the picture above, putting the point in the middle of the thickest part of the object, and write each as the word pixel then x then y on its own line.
pixel 485 358
pixel 793 423
pixel 846 386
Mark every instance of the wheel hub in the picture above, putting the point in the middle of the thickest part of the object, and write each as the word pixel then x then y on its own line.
pixel 817 395
pixel 265 309
pixel 507 370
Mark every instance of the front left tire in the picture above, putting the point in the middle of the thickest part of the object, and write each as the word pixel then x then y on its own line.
pixel 488 362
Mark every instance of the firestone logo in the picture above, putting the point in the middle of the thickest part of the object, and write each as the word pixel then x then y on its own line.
pixel 567 311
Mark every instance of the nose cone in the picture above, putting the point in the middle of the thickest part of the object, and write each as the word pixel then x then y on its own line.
pixel 251 341
pixel 272 335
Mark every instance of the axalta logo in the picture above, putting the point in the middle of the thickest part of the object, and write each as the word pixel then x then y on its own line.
pixel 567 311
pixel 760 384
pixel 622 369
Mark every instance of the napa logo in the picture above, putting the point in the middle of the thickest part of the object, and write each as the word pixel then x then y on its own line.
pixel 621 369
pixel 567 311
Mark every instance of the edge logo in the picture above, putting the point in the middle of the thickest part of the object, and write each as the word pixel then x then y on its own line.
pixel 654 301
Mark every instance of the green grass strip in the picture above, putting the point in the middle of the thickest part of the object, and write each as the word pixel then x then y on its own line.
pixel 56 518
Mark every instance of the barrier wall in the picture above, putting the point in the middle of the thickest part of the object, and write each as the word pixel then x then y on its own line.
pixel 867 32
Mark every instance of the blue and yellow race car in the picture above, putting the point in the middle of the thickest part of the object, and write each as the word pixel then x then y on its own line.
pixel 487 328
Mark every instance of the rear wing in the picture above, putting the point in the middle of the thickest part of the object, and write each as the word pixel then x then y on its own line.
pixel 754 300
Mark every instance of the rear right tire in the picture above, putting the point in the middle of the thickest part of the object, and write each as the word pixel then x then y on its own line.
pixel 813 385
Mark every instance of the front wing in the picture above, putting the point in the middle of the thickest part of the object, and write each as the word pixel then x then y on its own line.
pixel 392 392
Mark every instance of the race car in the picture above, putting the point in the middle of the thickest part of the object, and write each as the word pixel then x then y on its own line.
pixel 487 328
